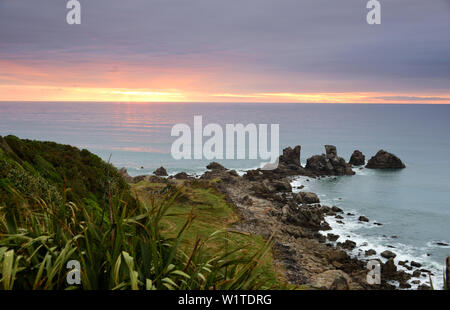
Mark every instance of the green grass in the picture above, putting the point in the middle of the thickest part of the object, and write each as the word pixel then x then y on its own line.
pixel 212 213
pixel 127 248
pixel 58 203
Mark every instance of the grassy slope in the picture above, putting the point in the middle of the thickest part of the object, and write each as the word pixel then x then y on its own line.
pixel 50 171
pixel 38 179
pixel 212 213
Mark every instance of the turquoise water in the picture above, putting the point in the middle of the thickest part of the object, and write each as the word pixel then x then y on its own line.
pixel 412 204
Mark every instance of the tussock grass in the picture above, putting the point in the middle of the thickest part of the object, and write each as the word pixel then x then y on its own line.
pixel 120 246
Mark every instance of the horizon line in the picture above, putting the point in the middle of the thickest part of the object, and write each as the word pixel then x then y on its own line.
pixel 232 102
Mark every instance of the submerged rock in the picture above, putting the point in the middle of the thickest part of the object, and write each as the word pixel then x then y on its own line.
pixel 357 158
pixel 362 218
pixel 385 160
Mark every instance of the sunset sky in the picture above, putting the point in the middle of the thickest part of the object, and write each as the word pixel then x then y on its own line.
pixel 209 50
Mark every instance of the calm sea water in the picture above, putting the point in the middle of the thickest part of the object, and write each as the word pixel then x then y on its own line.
pixel 413 204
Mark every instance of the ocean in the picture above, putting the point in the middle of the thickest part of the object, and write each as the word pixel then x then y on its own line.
pixel 413 204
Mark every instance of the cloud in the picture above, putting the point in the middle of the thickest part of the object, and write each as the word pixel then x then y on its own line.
pixel 248 46
pixel 412 98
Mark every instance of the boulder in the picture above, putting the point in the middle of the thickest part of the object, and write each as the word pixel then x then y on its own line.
pixel 388 254
pixel 416 273
pixel 389 269
pixel 336 209
pixel 161 171
pixel 311 217
pixel 331 280
pixel 332 237
pixel 423 287
pixel 357 158
pixel 370 252
pixel 348 244
pixel 307 197
pixel 215 166
pixel 385 160
pixel 181 176
pixel 329 163
pixel 282 185
pixel 416 264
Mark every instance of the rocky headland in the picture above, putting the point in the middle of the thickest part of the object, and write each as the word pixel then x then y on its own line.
pixel 269 207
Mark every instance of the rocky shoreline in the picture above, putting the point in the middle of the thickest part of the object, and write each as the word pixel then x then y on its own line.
pixel 270 207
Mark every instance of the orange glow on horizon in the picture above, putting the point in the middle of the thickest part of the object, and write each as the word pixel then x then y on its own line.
pixel 100 81
pixel 98 94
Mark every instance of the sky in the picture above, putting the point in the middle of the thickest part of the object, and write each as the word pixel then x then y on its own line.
pixel 241 51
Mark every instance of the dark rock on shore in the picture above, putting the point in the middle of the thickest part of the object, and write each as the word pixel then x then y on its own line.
pixel 370 252
pixel 215 166
pixel 332 237
pixel 311 217
pixel 181 176
pixel 329 163
pixel 331 280
pixel 385 160
pixel 388 254
pixel 415 264
pixel 161 172
pixel 336 209
pixel 357 158
pixel 291 156
pixel 348 244
pixel 307 197
pixel 389 267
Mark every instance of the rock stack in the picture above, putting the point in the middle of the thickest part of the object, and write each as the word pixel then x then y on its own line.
pixel 329 163
pixel 357 158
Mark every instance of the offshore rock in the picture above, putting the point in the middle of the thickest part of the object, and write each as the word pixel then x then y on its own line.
pixel 329 163
pixel 357 158
pixel 385 160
